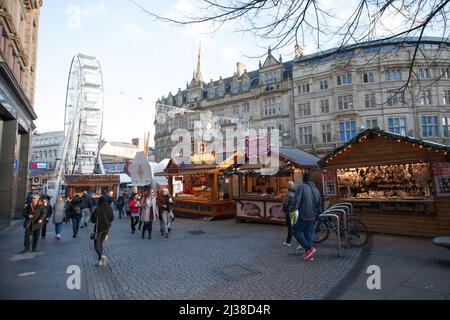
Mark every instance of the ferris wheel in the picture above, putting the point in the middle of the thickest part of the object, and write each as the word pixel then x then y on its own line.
pixel 83 119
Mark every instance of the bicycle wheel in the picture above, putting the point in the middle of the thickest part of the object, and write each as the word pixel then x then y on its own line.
pixel 357 232
pixel 321 232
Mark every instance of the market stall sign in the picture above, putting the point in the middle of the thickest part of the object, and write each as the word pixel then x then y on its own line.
pixel 203 157
pixel 329 183
pixel 441 172
pixel 395 208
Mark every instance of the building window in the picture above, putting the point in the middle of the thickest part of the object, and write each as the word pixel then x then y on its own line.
pixel 392 75
pixel 236 110
pixel 221 91
pixel 326 132
pixel 305 135
pixel 304 109
pixel 246 85
pixel 425 97
pixel 446 126
pixel 344 79
pixel 424 73
pixel 347 130
pixel 368 77
pixel 45 154
pixel 271 77
pixel 325 106
pixel 211 93
pixel 371 123
pixel 429 126
pixel 235 87
pixel 345 102
pixel 397 125
pixel 446 97
pixel 445 73
pixel 323 84
pixel 394 98
pixel 246 108
pixel 269 107
pixel 369 100
pixel 304 88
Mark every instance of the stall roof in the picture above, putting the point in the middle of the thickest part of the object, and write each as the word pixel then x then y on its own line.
pixel 124 178
pixel 387 135
pixel 300 157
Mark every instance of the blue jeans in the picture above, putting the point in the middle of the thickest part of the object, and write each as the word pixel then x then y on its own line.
pixel 58 228
pixel 75 225
pixel 303 232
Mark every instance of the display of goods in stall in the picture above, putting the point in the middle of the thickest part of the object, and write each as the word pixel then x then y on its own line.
pixel 411 181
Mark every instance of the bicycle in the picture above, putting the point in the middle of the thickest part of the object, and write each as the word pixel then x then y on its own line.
pixel 357 231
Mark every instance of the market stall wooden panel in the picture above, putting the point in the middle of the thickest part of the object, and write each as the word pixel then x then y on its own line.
pixel 411 204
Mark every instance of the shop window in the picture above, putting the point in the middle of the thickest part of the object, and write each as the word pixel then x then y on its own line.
pixel 429 126
pixel 347 130
pixel 397 125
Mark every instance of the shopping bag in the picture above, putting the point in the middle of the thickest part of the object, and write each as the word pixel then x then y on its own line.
pixel 294 217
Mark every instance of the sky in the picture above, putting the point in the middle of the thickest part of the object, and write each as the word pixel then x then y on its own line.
pixel 141 58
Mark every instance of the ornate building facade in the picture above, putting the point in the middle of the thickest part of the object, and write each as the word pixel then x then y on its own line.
pixel 320 101
pixel 19 26
pixel 262 98
pixel 338 93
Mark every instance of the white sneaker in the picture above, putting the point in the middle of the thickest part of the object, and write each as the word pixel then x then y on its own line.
pixel 98 263
pixel 299 247
pixel 104 261
pixel 287 244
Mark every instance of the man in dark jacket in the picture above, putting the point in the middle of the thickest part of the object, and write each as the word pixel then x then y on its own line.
pixel 75 214
pixel 35 215
pixel 86 209
pixel 102 217
pixel 49 209
pixel 308 203
pixel 289 206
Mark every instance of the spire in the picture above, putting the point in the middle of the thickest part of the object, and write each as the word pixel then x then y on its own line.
pixel 199 74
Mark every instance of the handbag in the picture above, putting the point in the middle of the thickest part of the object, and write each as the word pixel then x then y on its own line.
pixel 294 217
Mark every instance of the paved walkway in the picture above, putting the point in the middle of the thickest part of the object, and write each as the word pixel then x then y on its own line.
pixel 219 260
pixel 411 268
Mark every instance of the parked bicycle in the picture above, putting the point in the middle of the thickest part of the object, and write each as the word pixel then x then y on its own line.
pixel 354 230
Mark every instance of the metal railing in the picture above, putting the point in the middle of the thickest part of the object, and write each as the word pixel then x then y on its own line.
pixel 335 216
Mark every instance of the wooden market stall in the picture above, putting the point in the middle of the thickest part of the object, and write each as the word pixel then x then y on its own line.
pixel 259 195
pixel 397 184
pixel 96 184
pixel 199 188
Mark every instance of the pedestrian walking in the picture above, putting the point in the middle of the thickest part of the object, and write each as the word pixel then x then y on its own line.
pixel 165 208
pixel 58 216
pixel 134 211
pixel 75 214
pixel 140 198
pixel 288 208
pixel 148 213
pixel 308 203
pixel 126 208
pixel 35 214
pixel 86 209
pixel 102 217
pixel 46 199
pixel 120 203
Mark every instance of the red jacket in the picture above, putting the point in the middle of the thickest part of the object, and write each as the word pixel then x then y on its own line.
pixel 133 206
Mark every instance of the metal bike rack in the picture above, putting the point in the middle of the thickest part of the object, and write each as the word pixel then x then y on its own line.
pixel 347 204
pixel 331 215
pixel 344 219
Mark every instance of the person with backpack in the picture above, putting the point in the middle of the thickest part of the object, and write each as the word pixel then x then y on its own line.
pixel 308 203
pixel 35 214
pixel 102 218
pixel 75 214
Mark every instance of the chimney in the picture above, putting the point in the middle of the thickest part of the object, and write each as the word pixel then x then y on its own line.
pixel 240 69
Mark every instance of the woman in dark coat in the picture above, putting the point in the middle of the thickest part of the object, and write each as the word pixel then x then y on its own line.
pixel 102 218
pixel 35 214
pixel 75 214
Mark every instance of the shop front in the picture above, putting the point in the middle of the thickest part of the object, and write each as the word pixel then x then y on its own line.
pixel 95 184
pixel 200 189
pixel 397 185
pixel 259 196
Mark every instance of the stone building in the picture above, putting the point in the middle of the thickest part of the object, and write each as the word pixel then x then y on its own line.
pixel 19 25
pixel 46 147
pixel 337 93
pixel 262 98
